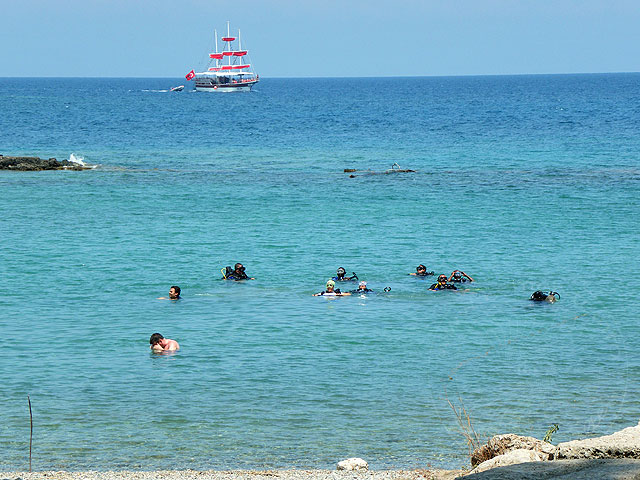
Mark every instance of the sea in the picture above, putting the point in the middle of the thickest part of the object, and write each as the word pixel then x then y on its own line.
pixel 525 183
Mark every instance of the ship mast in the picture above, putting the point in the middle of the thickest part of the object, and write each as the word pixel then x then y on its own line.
pixel 216 35
pixel 229 43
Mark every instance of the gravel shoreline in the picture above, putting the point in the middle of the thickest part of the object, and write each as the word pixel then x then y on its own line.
pixel 420 474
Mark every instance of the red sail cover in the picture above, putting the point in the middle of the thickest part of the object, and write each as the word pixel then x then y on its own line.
pixel 240 53
pixel 228 39
pixel 227 54
pixel 216 55
pixel 240 67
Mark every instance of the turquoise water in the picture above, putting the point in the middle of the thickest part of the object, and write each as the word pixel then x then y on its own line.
pixel 525 183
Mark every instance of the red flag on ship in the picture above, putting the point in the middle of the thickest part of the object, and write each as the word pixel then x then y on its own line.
pixel 190 75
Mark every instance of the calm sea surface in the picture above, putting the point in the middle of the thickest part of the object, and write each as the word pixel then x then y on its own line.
pixel 523 182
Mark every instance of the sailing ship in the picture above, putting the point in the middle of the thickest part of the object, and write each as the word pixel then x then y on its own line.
pixel 227 70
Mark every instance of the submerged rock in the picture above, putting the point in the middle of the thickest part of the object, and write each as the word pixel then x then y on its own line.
pixel 34 164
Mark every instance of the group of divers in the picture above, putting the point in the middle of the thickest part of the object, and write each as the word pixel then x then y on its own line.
pixel 238 273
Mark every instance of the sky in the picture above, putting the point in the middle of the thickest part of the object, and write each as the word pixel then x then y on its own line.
pixel 320 38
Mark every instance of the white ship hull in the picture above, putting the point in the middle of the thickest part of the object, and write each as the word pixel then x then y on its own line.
pixel 246 87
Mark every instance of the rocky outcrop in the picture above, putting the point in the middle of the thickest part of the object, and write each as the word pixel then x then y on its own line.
pixel 501 444
pixel 622 444
pixel 33 164
pixel 593 454
pixel 353 464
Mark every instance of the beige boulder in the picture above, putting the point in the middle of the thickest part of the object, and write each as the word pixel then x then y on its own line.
pixel 513 457
pixel 501 444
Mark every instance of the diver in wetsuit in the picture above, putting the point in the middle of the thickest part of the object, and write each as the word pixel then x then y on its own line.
pixel 237 274
pixel 540 296
pixel 459 276
pixel 421 271
pixel 442 284
pixel 340 276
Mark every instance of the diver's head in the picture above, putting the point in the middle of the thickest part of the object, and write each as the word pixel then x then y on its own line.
pixel 457 275
pixel 362 285
pixel 442 279
pixel 421 269
pixel 239 267
pixel 330 285
pixel 341 272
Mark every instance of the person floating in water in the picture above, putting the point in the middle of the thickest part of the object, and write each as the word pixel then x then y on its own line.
pixel 174 293
pixel 236 274
pixel 459 276
pixel 331 291
pixel 421 271
pixel 442 284
pixel 362 288
pixel 540 296
pixel 161 344
pixel 340 276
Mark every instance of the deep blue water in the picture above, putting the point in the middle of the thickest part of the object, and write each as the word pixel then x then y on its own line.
pixel 524 182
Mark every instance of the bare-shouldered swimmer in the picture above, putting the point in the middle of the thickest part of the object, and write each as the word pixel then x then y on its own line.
pixel 160 344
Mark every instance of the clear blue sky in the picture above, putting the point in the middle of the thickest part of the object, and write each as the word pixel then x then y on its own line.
pixel 320 38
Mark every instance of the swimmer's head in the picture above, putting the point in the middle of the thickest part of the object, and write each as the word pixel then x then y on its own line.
pixel 155 339
pixel 174 291
pixel 330 284
pixel 421 268
pixel 239 267
pixel 442 279
pixel 341 272
pixel 457 275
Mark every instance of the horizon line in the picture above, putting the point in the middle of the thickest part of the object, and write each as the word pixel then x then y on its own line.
pixel 362 76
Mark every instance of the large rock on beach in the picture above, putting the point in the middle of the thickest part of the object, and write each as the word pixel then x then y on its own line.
pixel 622 444
pixel 33 164
pixel 353 464
pixel 513 457
pixel 501 444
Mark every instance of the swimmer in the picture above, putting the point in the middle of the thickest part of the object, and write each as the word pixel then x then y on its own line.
pixel 421 271
pixel 362 288
pixel 540 296
pixel 340 276
pixel 160 344
pixel 236 274
pixel 174 293
pixel 331 291
pixel 442 284
pixel 459 276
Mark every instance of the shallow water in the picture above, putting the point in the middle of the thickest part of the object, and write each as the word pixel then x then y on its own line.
pixel 525 183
